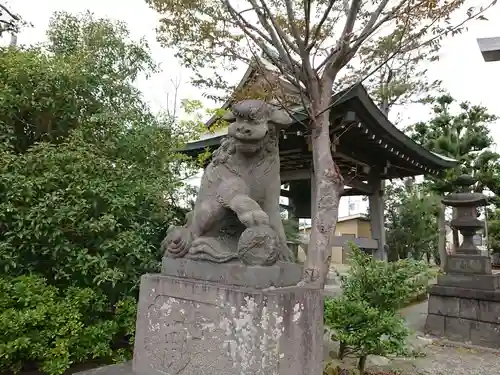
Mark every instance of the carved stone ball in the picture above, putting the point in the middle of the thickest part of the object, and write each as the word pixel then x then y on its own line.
pixel 258 246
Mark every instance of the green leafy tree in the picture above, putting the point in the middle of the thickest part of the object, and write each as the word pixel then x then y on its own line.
pixel 411 222
pixel 364 330
pixel 89 182
pixel 85 71
pixel 88 179
pixel 89 214
pixel 309 43
pixel 386 286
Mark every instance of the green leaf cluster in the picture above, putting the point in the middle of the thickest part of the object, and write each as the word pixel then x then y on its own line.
pixel 386 286
pixel 87 214
pixel 365 319
pixel 461 130
pixel 494 229
pixel 363 330
pixel 41 326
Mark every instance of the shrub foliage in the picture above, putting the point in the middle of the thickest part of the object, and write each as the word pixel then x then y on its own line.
pixel 365 319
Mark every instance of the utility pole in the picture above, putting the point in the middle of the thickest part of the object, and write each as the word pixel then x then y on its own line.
pixel 490 49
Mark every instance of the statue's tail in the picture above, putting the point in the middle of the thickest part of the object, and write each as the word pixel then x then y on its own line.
pixel 210 249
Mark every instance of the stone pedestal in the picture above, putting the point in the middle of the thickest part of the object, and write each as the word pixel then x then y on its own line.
pixel 243 321
pixel 465 304
pixel 465 315
pixel 203 328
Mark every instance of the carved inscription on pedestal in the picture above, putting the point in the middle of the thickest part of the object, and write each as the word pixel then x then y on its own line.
pixel 476 265
pixel 176 333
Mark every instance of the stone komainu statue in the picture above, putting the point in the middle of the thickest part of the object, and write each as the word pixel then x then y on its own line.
pixel 237 215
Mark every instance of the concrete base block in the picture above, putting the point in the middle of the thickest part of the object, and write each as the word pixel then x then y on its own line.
pixel 190 327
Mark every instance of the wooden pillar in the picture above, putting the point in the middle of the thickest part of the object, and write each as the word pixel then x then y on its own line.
pixel 376 201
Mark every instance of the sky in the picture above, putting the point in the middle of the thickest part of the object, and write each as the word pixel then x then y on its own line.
pixel 461 67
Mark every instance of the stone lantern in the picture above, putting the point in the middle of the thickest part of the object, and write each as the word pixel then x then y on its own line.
pixel 465 303
pixel 466 221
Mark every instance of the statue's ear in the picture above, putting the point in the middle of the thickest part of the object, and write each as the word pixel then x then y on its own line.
pixel 280 118
pixel 229 116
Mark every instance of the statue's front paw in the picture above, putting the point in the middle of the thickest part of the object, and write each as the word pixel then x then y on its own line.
pixel 286 255
pixel 254 218
pixel 177 242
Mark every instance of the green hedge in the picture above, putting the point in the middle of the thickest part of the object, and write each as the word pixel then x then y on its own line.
pixel 51 330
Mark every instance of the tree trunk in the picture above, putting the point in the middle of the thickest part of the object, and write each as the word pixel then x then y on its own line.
pixel 362 364
pixel 329 186
pixel 442 237
pixel 392 254
pixel 342 349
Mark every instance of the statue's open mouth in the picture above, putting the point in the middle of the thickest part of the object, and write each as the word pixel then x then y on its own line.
pixel 247 140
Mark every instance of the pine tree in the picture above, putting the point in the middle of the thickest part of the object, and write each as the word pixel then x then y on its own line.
pixel 459 131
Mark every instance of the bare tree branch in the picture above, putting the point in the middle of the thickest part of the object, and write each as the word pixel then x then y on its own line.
pixel 15 17
pixel 247 25
pixel 376 14
pixel 243 25
pixel 468 18
pixel 377 68
pixel 334 63
pixel 293 26
pixel 317 28
pixel 301 75
pixel 282 104
pixel 307 15
pixel 285 40
pixel 271 29
pixel 373 25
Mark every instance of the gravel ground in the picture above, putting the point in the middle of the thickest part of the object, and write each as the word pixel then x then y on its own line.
pixel 448 360
pixel 440 358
